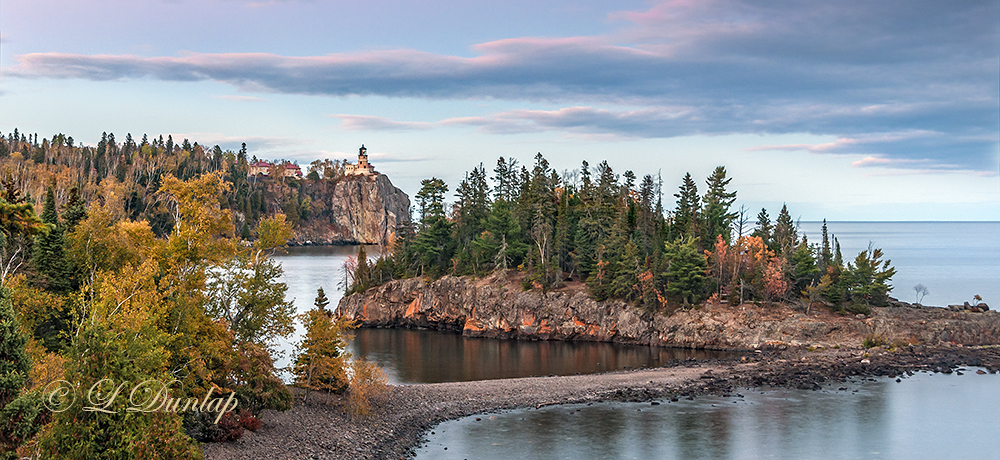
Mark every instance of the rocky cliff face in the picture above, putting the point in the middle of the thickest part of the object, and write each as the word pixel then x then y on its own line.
pixel 500 308
pixel 357 210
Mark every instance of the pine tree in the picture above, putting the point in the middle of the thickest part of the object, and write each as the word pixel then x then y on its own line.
pixel 785 234
pixel 322 360
pixel 74 210
pixel 685 273
pixel 718 219
pixel 764 230
pixel 49 257
pixel 825 255
pixel 688 211
pixel 321 301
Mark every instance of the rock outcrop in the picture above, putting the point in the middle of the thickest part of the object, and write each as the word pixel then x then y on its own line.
pixel 492 307
pixel 355 210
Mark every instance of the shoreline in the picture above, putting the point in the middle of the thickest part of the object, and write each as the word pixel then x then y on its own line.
pixel 320 428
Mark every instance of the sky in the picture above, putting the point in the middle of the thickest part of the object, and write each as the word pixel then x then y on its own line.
pixel 844 110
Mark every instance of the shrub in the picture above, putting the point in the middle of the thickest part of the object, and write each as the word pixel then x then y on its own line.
pixel 873 340
pixel 249 421
pixel 368 384
pixel 858 308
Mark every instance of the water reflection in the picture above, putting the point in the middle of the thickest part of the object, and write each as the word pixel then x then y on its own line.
pixel 415 356
pixel 924 417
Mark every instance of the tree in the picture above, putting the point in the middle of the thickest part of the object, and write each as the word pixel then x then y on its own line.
pixel 764 230
pixel 74 210
pixel 321 360
pixel 686 269
pixel 718 219
pixel 49 257
pixel 245 292
pixel 785 234
pixel 921 291
pixel 431 200
pixel 869 278
pixel 686 214
pixel 21 411
pixel 321 301
pixel 433 243
pixel 18 225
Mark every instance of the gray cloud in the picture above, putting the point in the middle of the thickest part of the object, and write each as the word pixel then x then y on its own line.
pixel 691 66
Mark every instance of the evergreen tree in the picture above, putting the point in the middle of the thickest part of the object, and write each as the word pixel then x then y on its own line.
pixel 825 255
pixel 869 278
pixel 685 273
pixel 321 301
pixel 804 269
pixel 764 229
pixel 785 234
pixel 49 257
pixel 688 211
pixel 433 244
pixel 718 219
pixel 74 210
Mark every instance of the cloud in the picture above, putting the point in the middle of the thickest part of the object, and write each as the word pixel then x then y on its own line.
pixel 683 67
pixel 370 123
pixel 235 98
pixel 234 142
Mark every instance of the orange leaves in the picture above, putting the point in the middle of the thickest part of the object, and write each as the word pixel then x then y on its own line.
pixel 746 262
pixel 775 285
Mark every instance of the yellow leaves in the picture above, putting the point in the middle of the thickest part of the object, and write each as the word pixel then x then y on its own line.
pixel 101 242
pixel 202 229
pixel 368 384
pixel 46 367
pixel 273 232
pixel 129 298
pixel 322 360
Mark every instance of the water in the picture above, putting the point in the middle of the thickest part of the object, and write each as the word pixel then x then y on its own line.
pixel 411 356
pixel 927 416
pixel 954 260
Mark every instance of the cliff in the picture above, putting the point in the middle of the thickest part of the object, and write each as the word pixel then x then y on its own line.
pixel 499 308
pixel 353 210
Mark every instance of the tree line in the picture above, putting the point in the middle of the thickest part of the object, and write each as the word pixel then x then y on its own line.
pixel 132 169
pixel 613 233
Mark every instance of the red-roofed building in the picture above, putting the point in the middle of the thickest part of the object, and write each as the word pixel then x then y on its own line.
pixel 263 168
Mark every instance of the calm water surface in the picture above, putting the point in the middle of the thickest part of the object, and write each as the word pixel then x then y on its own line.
pixel 924 417
pixel 411 356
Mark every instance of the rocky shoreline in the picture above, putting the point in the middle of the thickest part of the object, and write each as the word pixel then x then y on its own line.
pixel 320 429
pixel 498 307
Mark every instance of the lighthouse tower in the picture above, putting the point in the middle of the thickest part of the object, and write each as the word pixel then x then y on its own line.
pixel 363 168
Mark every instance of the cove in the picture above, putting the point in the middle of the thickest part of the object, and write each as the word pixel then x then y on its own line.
pixel 420 356
pixel 926 416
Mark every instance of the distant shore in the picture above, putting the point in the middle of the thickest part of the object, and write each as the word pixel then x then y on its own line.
pixel 320 429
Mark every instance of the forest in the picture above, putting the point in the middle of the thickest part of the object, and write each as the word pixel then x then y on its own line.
pixel 613 233
pixel 132 263
pixel 132 171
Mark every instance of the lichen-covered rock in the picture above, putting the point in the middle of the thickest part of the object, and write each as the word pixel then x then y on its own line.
pixel 359 210
pixel 498 308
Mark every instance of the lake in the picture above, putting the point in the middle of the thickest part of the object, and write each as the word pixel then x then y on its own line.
pixel 926 416
pixel 954 260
